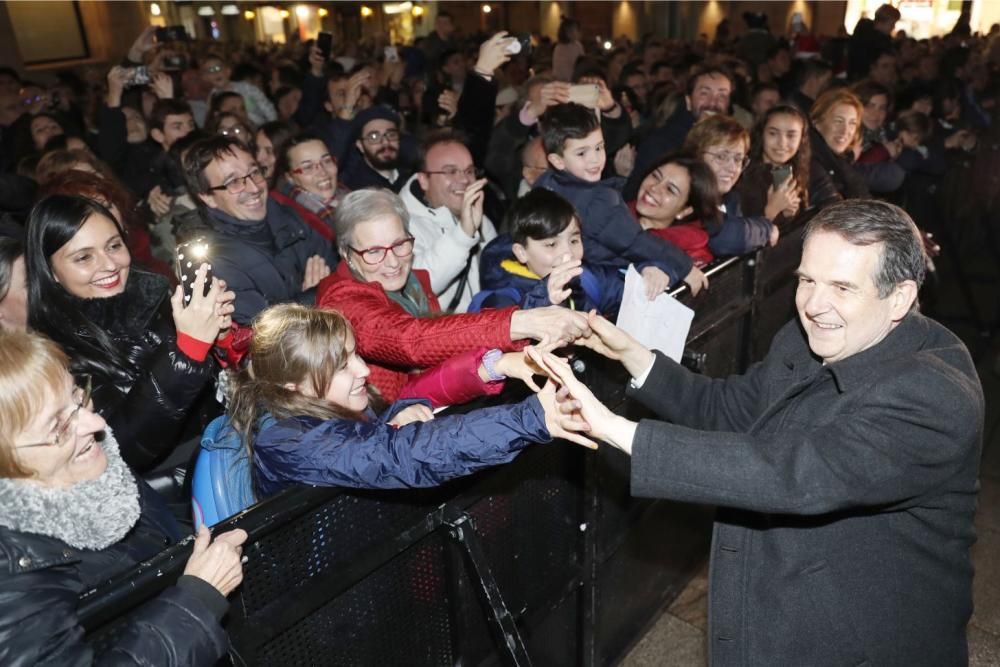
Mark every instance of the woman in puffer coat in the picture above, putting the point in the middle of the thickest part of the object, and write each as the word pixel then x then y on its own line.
pixel 72 515
pixel 396 316
pixel 145 350
pixel 307 414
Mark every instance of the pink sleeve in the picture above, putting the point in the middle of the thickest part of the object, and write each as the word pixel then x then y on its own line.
pixel 452 382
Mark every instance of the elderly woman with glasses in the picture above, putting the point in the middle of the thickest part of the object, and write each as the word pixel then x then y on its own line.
pixel 306 180
pixel 724 145
pixel 397 319
pixel 73 515
pixel 147 349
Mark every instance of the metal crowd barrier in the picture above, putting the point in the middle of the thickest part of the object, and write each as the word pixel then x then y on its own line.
pixel 547 560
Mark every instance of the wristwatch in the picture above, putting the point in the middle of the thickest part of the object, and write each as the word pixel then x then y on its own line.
pixel 490 359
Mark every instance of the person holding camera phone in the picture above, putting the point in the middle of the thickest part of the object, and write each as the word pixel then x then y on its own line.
pixel 146 352
pixel 778 182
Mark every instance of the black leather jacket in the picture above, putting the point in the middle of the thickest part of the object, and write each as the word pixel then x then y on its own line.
pixel 41 579
pixel 147 405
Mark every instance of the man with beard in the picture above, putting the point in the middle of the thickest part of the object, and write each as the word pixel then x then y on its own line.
pixel 263 250
pixel 445 203
pixel 708 93
pixel 377 162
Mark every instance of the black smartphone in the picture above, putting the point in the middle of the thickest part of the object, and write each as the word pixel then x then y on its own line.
pixel 175 62
pixel 137 76
pixel 781 174
pixel 525 40
pixel 325 43
pixel 171 33
pixel 189 256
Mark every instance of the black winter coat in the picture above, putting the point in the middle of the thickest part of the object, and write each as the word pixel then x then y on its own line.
pixel 41 579
pixel 148 400
pixel 847 181
pixel 264 263
pixel 847 493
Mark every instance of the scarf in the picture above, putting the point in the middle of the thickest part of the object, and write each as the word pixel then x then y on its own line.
pixel 411 298
pixel 93 514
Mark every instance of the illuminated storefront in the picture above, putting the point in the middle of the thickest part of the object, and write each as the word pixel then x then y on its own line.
pixel 927 18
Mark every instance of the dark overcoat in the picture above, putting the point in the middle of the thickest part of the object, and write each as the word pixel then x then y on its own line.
pixel 846 496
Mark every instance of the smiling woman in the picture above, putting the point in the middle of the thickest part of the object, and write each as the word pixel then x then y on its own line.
pixel 147 353
pixel 72 514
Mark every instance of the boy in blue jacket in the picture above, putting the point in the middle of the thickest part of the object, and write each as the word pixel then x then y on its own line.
pixel 541 262
pixel 574 146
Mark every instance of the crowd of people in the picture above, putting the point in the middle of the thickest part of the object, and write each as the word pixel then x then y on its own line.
pixel 326 247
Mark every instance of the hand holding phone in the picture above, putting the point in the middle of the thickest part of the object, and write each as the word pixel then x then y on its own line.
pixel 780 174
pixel 586 94
pixel 324 41
pixel 189 257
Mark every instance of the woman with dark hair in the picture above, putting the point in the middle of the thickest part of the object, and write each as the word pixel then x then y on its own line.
pixel 145 350
pixel 780 157
pixel 227 102
pixel 678 201
pixel 568 49
pixel 268 140
pixel 108 191
pixel 305 178
pixel 32 135
pixel 13 285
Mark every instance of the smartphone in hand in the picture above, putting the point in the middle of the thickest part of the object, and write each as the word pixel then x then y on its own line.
pixel 324 41
pixel 189 256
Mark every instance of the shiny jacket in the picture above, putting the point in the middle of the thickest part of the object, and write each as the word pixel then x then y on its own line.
pixel 149 404
pixel 41 579
pixel 394 343
pixel 848 182
pixel 373 454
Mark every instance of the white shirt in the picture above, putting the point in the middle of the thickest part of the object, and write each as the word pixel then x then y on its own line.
pixel 442 248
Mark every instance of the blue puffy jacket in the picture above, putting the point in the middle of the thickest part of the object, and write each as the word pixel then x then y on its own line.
pixel 739 234
pixel 376 455
pixel 611 235
pixel 507 282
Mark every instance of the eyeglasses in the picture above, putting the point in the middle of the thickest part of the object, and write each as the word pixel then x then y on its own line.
pixel 376 254
pixel 313 167
pixel 64 430
pixel 376 137
pixel 214 69
pixel 237 185
pixel 455 172
pixel 735 159
pixel 232 131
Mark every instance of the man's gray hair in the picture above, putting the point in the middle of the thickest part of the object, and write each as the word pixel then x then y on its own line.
pixel 863 222
pixel 364 205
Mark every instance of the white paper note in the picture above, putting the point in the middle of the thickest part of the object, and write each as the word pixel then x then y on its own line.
pixel 662 324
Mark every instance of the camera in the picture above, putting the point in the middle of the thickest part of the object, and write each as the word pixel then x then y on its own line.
pixel 171 33
pixel 174 62
pixel 137 76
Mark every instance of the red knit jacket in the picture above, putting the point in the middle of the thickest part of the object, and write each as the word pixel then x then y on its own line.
pixel 396 344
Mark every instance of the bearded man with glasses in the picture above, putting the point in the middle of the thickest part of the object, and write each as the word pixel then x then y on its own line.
pixel 261 248
pixel 381 155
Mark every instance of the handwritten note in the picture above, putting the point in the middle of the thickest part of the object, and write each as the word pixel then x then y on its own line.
pixel 662 324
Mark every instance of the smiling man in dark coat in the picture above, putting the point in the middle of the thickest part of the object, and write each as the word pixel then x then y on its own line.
pixel 844 464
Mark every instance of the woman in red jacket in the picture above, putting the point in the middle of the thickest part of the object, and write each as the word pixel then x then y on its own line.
pixel 397 319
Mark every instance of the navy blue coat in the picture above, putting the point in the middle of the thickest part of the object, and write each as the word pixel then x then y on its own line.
pixel 375 455
pixel 739 234
pixel 847 493
pixel 611 235
pixel 599 287
pixel 264 262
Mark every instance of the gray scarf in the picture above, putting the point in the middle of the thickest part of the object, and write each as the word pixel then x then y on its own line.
pixel 90 515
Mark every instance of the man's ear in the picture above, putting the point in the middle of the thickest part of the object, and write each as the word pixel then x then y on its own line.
pixel 209 199
pixel 520 253
pixel 359 146
pixel 903 297
pixel 556 161
pixel 424 180
pixel 687 102
pixel 328 106
pixel 157 135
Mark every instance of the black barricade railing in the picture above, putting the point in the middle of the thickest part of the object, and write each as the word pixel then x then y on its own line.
pixel 547 560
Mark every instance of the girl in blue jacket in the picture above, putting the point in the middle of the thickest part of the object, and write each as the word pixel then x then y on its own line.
pixel 304 408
